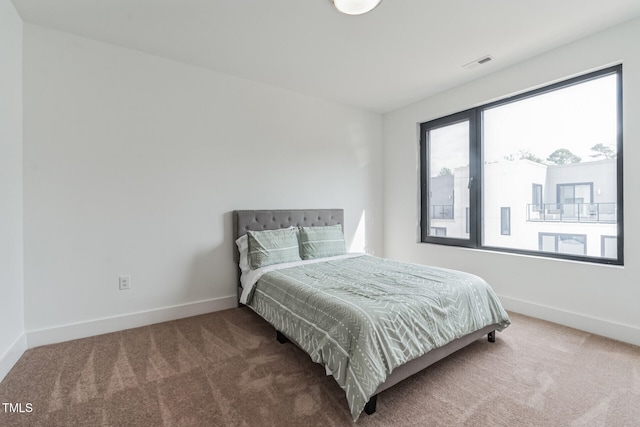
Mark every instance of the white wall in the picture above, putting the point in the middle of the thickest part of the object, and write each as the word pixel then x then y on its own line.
pixel 12 336
pixel 597 298
pixel 133 164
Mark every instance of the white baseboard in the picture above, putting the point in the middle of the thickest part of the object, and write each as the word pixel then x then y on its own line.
pixel 90 328
pixel 594 325
pixel 68 332
pixel 11 356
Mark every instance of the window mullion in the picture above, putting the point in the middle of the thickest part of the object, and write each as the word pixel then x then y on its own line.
pixel 475 172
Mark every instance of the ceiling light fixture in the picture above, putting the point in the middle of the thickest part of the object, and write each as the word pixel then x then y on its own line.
pixel 355 7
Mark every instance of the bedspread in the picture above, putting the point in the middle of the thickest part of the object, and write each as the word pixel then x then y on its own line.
pixel 362 317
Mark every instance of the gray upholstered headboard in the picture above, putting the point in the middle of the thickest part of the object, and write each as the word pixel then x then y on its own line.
pixel 257 220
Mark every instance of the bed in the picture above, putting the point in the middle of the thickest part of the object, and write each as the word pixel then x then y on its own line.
pixel 370 321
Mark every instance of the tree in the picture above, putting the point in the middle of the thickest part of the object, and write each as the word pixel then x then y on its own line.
pixel 527 155
pixel 602 150
pixel 523 155
pixel 562 156
pixel 445 172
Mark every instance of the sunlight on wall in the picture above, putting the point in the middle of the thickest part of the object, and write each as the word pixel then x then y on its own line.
pixel 359 136
pixel 359 242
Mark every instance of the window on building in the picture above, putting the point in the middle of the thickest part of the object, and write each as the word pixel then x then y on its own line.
pixel 505 221
pixel 575 199
pixel 572 244
pixel 438 231
pixel 609 247
pixel 536 198
pixel 553 154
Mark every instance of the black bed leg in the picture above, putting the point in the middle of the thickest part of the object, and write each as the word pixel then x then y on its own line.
pixel 491 336
pixel 281 338
pixel 370 407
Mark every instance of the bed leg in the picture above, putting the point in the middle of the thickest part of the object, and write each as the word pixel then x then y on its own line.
pixel 370 407
pixel 491 336
pixel 281 338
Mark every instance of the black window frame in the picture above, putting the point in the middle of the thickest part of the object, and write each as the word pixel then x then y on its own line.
pixel 426 191
pixel 474 115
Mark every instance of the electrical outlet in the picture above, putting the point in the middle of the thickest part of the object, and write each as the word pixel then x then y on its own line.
pixel 124 282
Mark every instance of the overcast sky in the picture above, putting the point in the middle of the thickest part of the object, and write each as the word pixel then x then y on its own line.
pixel 575 118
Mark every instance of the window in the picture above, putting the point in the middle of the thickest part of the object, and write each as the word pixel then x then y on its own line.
pixel 536 197
pixel 446 206
pixel 539 173
pixel 438 231
pixel 505 221
pixel 609 247
pixel 574 199
pixel 574 244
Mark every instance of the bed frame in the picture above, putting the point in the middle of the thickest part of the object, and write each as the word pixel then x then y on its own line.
pixel 256 220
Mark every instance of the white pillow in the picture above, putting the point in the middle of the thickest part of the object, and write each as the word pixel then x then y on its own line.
pixel 243 247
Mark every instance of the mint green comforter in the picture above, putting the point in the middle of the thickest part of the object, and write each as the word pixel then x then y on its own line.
pixel 362 317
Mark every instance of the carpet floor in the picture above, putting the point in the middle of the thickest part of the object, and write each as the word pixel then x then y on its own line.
pixel 227 369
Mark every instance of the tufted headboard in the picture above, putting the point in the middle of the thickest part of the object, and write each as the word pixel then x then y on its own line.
pixel 257 220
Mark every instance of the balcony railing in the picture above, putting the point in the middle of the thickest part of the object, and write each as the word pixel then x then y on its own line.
pixel 573 212
pixel 441 211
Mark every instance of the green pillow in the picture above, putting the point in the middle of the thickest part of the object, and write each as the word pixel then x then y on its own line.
pixel 321 242
pixel 272 247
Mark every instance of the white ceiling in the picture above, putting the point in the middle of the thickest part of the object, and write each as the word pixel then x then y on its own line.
pixel 403 51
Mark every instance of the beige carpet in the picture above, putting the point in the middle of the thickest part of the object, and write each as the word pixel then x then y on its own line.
pixel 227 368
